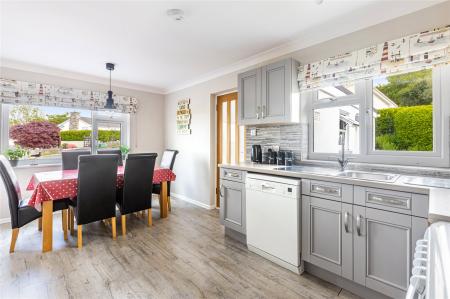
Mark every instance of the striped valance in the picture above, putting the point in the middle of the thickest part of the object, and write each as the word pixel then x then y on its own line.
pixel 41 94
pixel 413 52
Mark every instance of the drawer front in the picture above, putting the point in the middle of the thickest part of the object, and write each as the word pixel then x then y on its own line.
pixel 388 200
pixel 328 190
pixel 232 175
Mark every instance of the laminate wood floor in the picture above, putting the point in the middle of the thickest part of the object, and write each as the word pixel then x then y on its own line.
pixel 183 256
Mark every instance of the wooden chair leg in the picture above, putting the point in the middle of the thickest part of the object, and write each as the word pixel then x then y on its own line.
pixel 123 220
pixel 72 222
pixel 69 214
pixel 40 224
pixel 149 217
pixel 113 227
pixel 64 223
pixel 169 204
pixel 80 236
pixel 14 235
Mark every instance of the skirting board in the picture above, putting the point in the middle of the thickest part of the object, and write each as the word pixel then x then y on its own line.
pixel 5 220
pixel 190 200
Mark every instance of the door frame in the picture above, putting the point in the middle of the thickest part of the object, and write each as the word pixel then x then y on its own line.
pixel 122 119
pixel 220 98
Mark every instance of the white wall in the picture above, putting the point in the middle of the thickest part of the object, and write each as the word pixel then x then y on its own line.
pixel 195 166
pixel 146 126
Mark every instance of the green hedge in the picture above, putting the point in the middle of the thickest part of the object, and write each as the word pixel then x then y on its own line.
pixel 80 135
pixel 405 128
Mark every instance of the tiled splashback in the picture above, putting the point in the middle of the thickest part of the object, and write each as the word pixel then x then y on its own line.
pixel 289 137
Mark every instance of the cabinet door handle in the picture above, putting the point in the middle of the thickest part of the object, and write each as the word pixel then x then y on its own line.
pixel 346 221
pixel 358 225
pixel 220 191
pixel 257 112
pixel 263 112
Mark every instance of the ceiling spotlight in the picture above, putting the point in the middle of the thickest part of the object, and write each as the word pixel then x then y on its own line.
pixel 318 2
pixel 176 14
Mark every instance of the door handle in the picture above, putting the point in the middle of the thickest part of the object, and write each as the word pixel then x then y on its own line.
pixel 257 112
pixel 220 191
pixel 346 222
pixel 263 111
pixel 358 225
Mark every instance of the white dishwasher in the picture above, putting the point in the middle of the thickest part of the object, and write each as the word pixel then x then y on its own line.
pixel 273 219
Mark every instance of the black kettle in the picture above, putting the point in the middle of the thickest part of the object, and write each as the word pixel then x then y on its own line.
pixel 256 153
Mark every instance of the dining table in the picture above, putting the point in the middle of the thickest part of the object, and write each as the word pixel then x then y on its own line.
pixel 50 186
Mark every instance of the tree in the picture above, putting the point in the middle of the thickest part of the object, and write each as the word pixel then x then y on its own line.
pixel 57 118
pixel 36 134
pixel 23 114
pixel 410 89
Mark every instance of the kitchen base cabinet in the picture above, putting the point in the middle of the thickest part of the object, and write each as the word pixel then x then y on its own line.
pixel 327 240
pixel 370 243
pixel 383 247
pixel 232 205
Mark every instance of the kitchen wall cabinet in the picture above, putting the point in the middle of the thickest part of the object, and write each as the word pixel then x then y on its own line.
pixel 249 98
pixel 232 200
pixel 269 94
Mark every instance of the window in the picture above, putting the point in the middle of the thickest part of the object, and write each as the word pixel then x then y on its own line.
pixel 336 116
pixel 402 112
pixel 45 131
pixel 399 119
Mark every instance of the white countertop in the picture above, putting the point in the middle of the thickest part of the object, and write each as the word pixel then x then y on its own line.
pixel 439 198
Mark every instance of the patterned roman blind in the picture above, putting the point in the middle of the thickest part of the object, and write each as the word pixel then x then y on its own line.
pixel 41 94
pixel 406 54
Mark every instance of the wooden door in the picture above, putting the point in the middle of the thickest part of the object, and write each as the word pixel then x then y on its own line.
pixel 227 133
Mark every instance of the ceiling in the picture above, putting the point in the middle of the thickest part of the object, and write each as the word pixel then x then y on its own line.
pixel 157 53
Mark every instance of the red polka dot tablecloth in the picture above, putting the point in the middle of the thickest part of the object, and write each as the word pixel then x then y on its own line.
pixel 56 185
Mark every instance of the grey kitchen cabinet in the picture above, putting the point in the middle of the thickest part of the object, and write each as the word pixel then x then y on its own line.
pixel 269 94
pixel 367 237
pixel 232 205
pixel 383 247
pixel 249 86
pixel 327 235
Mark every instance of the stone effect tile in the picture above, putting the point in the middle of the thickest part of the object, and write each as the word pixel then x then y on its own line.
pixel 288 137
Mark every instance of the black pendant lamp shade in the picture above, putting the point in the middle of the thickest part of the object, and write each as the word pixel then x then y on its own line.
pixel 109 99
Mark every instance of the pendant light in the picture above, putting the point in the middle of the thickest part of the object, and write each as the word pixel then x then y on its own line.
pixel 109 99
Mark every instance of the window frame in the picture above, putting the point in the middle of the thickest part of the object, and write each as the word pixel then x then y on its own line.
pixel 96 116
pixel 439 157
pixel 354 99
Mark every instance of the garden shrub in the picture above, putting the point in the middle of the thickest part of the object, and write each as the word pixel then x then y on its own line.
pixel 80 135
pixel 405 128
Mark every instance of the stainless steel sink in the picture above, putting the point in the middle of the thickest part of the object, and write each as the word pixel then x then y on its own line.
pixel 369 176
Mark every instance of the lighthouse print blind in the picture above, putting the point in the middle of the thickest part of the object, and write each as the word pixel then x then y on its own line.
pixel 406 54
